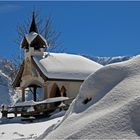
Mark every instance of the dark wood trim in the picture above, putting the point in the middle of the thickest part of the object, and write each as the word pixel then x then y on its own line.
pixel 34 93
pixel 17 80
pixel 38 41
pixel 72 80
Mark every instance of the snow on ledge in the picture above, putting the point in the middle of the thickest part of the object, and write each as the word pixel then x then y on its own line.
pixel 47 101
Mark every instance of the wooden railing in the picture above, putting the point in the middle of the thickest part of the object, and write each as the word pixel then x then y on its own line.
pixel 36 110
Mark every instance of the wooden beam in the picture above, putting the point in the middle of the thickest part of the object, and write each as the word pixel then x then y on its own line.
pixel 34 93
pixel 45 91
pixel 23 95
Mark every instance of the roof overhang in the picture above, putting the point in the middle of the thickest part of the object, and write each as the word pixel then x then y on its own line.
pixel 17 80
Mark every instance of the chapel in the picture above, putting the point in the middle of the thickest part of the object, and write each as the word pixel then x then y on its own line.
pixel 56 74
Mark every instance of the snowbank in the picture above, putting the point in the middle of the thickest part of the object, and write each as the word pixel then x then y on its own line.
pixel 108 106
pixel 17 129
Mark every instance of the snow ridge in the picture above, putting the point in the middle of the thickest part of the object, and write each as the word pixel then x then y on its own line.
pixel 113 107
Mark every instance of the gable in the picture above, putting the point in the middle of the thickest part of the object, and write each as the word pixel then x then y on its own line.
pixel 27 69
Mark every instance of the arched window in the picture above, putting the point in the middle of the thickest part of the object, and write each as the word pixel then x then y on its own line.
pixel 55 92
pixel 63 91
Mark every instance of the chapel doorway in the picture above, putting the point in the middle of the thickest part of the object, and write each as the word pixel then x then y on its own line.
pixel 55 92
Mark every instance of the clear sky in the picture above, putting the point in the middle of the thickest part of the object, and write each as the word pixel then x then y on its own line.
pixel 92 28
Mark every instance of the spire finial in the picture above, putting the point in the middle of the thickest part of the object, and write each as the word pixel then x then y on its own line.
pixel 33 27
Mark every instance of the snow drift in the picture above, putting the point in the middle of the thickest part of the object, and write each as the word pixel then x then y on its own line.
pixel 108 106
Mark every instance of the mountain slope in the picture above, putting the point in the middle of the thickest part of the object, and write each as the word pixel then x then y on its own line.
pixel 6 91
pixel 108 60
pixel 107 107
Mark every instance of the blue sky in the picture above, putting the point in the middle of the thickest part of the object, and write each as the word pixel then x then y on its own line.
pixel 91 28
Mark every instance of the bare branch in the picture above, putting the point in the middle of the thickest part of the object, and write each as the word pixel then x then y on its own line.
pixel 46 29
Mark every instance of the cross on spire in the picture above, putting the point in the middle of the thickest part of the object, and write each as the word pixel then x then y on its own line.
pixel 33 27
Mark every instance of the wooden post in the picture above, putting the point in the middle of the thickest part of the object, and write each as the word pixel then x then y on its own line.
pixel 4 114
pixel 34 93
pixel 23 95
pixel 15 112
pixel 4 111
pixel 44 90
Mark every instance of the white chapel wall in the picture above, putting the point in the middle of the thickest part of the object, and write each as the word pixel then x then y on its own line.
pixel 72 88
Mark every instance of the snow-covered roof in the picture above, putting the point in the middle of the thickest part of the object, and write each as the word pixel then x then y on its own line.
pixel 31 37
pixel 66 66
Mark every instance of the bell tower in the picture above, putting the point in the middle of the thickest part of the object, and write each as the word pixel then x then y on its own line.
pixel 33 43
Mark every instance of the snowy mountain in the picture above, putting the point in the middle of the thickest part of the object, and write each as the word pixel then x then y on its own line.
pixel 108 60
pixel 6 91
pixel 107 107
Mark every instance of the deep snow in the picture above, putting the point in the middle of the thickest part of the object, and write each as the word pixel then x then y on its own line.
pixel 113 110
pixel 17 129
